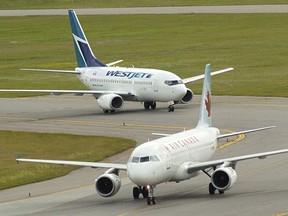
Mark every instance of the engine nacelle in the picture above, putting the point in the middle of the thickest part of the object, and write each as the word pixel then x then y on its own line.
pixel 223 178
pixel 188 97
pixel 108 185
pixel 110 102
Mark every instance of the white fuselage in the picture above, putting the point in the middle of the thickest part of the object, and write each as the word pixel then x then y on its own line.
pixel 141 84
pixel 166 159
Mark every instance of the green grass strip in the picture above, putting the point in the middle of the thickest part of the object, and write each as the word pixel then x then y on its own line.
pixel 43 4
pixel 254 44
pixel 50 146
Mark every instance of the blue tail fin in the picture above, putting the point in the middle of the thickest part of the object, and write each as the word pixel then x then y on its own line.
pixel 205 118
pixel 84 54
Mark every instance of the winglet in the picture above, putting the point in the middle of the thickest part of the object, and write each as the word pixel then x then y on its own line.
pixel 205 118
pixel 84 54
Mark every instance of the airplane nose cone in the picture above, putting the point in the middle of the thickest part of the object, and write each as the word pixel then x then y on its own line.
pixel 144 176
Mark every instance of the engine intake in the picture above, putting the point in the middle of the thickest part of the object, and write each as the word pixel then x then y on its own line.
pixel 108 185
pixel 188 97
pixel 110 102
pixel 224 178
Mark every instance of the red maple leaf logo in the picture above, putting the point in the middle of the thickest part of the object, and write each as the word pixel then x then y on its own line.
pixel 208 103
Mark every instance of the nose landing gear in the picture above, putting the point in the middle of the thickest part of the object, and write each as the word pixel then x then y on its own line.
pixel 150 199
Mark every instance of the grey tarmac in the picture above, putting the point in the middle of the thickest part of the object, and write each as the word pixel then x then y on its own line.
pixel 261 189
pixel 239 9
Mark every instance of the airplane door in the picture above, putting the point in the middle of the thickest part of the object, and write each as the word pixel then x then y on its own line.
pixel 155 85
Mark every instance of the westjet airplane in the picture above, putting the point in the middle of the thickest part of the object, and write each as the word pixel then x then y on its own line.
pixel 111 86
pixel 173 158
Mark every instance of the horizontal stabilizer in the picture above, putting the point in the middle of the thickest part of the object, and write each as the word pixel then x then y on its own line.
pixel 114 63
pixel 161 134
pixel 244 132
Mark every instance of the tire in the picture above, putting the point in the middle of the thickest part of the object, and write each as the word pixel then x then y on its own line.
pixel 212 189
pixel 136 192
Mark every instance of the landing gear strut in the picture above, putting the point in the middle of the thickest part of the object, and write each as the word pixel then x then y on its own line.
pixel 150 199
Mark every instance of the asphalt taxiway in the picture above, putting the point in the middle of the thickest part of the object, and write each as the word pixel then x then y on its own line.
pixel 261 188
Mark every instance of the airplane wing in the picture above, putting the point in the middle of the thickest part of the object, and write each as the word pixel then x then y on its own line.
pixel 54 71
pixel 194 78
pixel 244 132
pixel 76 163
pixel 192 167
pixel 76 92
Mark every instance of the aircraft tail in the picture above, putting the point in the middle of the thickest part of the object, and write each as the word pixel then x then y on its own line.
pixel 205 118
pixel 84 54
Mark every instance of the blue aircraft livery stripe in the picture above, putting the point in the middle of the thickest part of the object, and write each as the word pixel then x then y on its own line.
pixel 84 54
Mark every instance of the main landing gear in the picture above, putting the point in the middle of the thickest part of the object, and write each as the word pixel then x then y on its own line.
pixel 149 104
pixel 147 192
pixel 170 108
pixel 211 187
pixel 107 111
pixel 140 190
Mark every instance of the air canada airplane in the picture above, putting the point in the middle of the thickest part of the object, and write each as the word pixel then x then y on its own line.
pixel 111 85
pixel 173 158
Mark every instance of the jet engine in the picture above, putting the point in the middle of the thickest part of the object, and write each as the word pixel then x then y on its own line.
pixel 110 102
pixel 223 178
pixel 108 184
pixel 187 97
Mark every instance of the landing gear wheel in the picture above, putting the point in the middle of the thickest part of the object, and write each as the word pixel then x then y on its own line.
pixel 145 192
pixel 170 108
pixel 221 191
pixel 153 105
pixel 212 189
pixel 136 192
pixel 146 105
pixel 105 111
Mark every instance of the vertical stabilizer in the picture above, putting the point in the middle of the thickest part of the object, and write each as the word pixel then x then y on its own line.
pixel 84 54
pixel 205 118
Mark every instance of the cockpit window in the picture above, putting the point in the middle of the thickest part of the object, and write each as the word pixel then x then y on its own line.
pixel 135 160
pixel 154 158
pixel 173 82
pixel 144 159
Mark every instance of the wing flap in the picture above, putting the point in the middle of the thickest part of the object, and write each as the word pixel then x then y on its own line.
pixel 76 163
